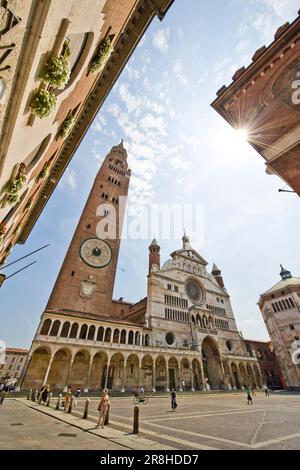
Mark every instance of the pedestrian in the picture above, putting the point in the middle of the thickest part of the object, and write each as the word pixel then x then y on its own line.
pixel 183 385
pixel 3 394
pixel 173 400
pixel 249 397
pixel 45 393
pixel 142 391
pixel 67 398
pixel 267 394
pixel 103 408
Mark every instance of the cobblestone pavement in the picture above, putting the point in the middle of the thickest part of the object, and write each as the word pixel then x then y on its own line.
pixel 212 421
pixel 218 421
pixel 23 428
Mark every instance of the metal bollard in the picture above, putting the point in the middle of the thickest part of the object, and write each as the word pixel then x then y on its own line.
pixel 106 419
pixel 70 405
pixel 49 399
pixel 136 412
pixel 86 409
pixel 33 395
pixel 29 394
pixel 58 401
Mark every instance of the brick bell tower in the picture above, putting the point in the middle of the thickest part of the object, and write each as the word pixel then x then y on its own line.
pixel 86 279
pixel 154 256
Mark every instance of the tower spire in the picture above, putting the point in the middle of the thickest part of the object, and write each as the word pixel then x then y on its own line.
pixel 284 273
pixel 154 256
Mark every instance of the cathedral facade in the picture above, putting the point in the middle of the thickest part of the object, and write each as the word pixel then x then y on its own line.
pixel 183 335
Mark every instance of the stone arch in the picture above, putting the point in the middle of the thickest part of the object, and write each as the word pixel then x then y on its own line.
pixel 137 338
pixel 79 369
pixel 91 333
pixel 100 333
pixel 96 379
pixel 115 373
pixel 123 337
pixel 65 329
pixel 243 375
pixel 196 380
pixel 250 375
pixel 146 377
pixel 132 371
pixel 235 376
pixel 130 337
pixel 59 369
pixel 161 373
pixel 228 380
pixel 54 328
pixel 116 335
pixel 37 368
pixel 185 374
pixel 211 363
pixel 173 367
pixel 257 375
pixel 107 336
pixel 74 330
pixel 83 331
pixel 46 327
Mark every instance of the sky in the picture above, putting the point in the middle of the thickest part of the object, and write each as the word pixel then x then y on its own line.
pixel 182 152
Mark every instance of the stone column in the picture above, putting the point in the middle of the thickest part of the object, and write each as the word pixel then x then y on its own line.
pixel 202 376
pixel 48 370
pixel 167 376
pixel 192 379
pixel 88 377
pixel 68 375
pixel 23 373
pixel 106 375
pixel 139 375
pixel 153 378
pixel 180 378
pixel 253 377
pixel 123 377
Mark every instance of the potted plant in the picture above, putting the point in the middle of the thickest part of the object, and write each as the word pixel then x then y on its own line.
pixel 15 185
pixel 98 62
pixel 2 232
pixel 43 103
pixel 67 126
pixel 57 70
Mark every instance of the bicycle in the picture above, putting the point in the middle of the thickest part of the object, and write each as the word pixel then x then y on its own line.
pixel 140 399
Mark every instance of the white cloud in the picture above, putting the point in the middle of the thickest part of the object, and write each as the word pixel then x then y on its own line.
pixel 99 123
pixel 178 72
pixel 179 33
pixel 160 39
pixel 69 179
pixel 132 102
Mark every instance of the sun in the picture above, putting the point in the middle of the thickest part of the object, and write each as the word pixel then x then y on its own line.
pixel 241 135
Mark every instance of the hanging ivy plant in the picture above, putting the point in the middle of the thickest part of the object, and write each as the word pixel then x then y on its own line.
pixel 98 62
pixel 67 126
pixel 9 248
pixel 14 187
pixel 2 232
pixel 43 103
pixel 45 171
pixel 57 70
pixel 29 203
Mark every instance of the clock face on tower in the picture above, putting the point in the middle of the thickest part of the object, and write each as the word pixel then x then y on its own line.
pixel 95 252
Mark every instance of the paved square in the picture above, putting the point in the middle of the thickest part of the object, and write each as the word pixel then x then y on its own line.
pixel 219 421
pixel 202 421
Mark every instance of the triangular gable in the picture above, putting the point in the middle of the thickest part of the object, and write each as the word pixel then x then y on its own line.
pixel 185 253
